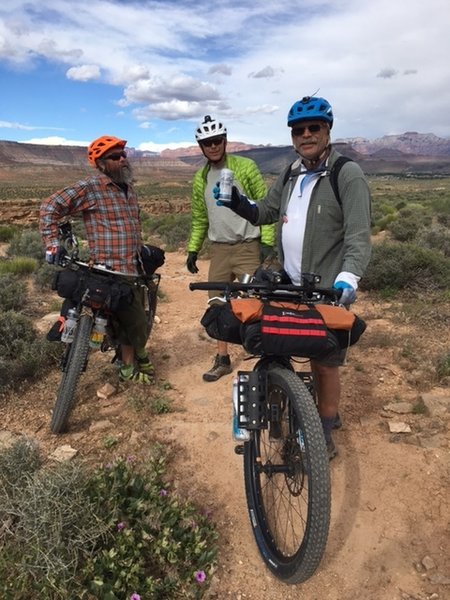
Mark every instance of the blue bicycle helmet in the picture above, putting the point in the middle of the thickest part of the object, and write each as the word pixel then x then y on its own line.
pixel 310 108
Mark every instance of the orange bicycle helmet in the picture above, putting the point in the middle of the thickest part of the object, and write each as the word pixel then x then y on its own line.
pixel 101 145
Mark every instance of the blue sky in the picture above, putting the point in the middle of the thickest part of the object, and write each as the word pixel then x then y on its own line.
pixel 148 71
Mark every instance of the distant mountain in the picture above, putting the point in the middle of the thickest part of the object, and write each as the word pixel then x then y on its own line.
pixel 411 142
pixel 410 152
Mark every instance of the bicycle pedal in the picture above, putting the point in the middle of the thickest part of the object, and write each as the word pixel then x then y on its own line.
pixel 239 449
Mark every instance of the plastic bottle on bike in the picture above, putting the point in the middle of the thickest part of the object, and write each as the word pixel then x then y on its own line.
pixel 69 326
pixel 98 332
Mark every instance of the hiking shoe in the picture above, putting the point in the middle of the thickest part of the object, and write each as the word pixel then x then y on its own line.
pixel 145 365
pixel 331 449
pixel 221 366
pixel 337 422
pixel 130 374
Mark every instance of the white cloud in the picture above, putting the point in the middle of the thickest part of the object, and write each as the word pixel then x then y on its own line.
pixel 56 141
pixel 84 73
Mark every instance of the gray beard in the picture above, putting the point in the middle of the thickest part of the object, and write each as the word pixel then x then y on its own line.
pixel 124 175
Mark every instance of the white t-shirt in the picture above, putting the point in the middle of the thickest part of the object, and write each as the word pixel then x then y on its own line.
pixel 294 223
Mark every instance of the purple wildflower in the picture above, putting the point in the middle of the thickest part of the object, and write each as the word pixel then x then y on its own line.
pixel 131 459
pixel 163 492
pixel 200 576
pixel 120 526
pixel 135 596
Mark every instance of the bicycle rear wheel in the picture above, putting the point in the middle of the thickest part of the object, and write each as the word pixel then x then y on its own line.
pixel 75 365
pixel 287 481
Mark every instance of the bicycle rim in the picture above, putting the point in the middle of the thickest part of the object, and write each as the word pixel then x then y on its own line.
pixel 287 481
pixel 76 362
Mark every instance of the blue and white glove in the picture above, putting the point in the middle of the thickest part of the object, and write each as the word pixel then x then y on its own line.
pixel 348 295
pixel 239 204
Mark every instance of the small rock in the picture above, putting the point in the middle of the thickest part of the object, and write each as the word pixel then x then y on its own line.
pixel 100 425
pixel 428 563
pixel 157 320
pixel 106 391
pixel 401 408
pixel 437 406
pixel 63 453
pixel 399 427
pixel 439 579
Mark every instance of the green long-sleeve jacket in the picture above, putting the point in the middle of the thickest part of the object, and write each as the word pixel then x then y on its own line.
pixel 250 182
pixel 337 236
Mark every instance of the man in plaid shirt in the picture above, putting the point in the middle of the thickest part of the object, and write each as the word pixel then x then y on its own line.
pixel 109 207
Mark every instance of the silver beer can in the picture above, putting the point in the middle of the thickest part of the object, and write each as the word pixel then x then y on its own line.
pixel 226 183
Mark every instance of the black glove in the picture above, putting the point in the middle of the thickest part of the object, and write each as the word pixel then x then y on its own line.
pixel 191 262
pixel 265 251
pixel 239 204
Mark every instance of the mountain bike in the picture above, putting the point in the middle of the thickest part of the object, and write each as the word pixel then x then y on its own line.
pixel 94 292
pixel 286 464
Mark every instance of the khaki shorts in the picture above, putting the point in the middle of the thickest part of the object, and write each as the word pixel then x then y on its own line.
pixel 230 261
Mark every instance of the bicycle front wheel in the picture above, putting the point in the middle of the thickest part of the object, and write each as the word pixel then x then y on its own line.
pixel 75 365
pixel 287 481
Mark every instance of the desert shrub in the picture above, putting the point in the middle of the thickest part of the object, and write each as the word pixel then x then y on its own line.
pixel 7 232
pixel 173 229
pixel 23 353
pixel 411 220
pixel 437 237
pixel 27 243
pixel 44 275
pixel 12 293
pixel 397 266
pixel 107 534
pixel 20 265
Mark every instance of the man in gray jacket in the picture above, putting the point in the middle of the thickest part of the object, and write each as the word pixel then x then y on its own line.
pixel 322 228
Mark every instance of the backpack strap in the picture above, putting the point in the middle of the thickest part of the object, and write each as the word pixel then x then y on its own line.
pixel 334 174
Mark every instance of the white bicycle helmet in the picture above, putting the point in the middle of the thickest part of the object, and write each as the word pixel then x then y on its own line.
pixel 209 128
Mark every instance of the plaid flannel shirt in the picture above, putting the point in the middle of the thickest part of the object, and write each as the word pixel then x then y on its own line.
pixel 110 215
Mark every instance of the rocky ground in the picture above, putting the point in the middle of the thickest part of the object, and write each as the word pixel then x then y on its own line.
pixel 389 537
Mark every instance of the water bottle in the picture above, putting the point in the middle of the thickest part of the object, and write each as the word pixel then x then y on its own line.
pixel 70 324
pixel 98 332
pixel 226 183
pixel 240 435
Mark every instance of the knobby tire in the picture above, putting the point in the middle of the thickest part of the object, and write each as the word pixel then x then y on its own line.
pixel 287 482
pixel 75 365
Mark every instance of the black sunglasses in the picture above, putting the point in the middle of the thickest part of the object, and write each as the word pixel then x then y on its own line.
pixel 314 128
pixel 216 141
pixel 116 155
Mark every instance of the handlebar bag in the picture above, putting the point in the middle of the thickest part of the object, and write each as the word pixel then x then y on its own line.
pixel 295 330
pixel 345 325
pixel 221 324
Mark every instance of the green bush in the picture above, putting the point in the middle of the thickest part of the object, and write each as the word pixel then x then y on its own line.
pixel 115 533
pixel 18 266
pixel 397 266
pixel 27 243
pixel 12 293
pixel 23 354
pixel 443 366
pixel 7 232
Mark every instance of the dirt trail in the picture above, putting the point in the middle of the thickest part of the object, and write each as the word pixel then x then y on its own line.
pixel 390 504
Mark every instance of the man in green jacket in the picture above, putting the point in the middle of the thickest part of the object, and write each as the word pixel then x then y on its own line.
pixel 318 231
pixel 236 246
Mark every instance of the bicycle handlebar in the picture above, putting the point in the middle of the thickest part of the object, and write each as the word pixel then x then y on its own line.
pixel 270 290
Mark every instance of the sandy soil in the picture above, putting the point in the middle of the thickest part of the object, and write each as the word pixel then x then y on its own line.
pixel 389 536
